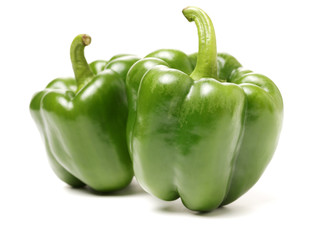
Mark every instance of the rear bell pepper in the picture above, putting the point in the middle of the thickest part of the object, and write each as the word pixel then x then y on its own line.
pixel 200 127
pixel 83 120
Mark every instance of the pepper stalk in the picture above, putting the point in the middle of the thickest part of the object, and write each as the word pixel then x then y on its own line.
pixel 82 71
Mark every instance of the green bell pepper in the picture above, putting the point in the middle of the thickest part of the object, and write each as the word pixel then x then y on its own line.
pixel 83 121
pixel 200 127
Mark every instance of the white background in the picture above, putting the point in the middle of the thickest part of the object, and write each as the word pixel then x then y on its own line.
pixel 285 40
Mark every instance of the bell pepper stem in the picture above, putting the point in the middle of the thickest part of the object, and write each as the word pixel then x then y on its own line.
pixel 206 66
pixel 82 71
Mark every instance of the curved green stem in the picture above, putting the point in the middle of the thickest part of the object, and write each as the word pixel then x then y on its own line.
pixel 206 65
pixel 82 71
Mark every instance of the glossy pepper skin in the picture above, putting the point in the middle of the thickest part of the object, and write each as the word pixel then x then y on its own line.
pixel 200 127
pixel 83 120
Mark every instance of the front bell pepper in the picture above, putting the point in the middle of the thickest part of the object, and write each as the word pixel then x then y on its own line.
pixel 83 120
pixel 200 127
